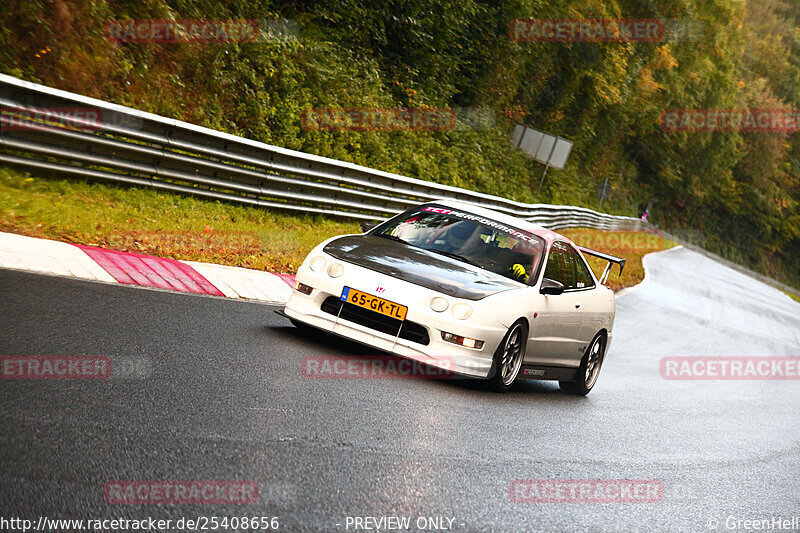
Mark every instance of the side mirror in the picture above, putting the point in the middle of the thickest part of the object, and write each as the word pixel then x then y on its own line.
pixel 366 226
pixel 551 286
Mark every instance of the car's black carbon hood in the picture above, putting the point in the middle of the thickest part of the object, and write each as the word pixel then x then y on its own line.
pixel 418 266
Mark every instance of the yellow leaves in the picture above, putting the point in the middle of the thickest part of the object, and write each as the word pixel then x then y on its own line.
pixel 664 60
pixel 646 84
pixel 514 112
pixel 43 51
pixel 609 93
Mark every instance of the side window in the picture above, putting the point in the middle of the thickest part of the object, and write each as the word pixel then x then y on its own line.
pixel 556 268
pixel 569 260
pixel 565 265
pixel 582 279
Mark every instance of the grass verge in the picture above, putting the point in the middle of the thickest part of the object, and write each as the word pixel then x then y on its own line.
pixel 631 245
pixel 792 296
pixel 183 227
pixel 160 223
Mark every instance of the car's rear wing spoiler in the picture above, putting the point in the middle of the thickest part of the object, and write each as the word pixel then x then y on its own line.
pixel 606 257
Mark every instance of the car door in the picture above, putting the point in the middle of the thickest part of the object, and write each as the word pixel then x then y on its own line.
pixel 595 301
pixel 556 331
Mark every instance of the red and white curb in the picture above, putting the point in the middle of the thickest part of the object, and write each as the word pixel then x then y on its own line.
pixel 127 268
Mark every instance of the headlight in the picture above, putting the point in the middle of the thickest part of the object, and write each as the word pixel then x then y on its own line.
pixel 462 311
pixel 317 264
pixel 439 304
pixel 335 270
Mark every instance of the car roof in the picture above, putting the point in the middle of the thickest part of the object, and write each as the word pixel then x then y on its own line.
pixel 548 235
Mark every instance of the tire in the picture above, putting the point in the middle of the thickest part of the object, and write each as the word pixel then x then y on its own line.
pixel 588 372
pixel 508 357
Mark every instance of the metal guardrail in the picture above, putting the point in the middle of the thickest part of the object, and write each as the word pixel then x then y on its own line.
pixel 119 144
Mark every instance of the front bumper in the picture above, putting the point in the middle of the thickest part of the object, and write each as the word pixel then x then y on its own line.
pixel 461 360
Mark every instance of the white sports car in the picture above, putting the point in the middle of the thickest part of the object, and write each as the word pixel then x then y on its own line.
pixel 464 288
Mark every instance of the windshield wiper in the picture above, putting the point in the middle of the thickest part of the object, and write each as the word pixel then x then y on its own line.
pixel 455 256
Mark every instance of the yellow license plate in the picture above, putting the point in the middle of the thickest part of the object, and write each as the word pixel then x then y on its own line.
pixel 374 303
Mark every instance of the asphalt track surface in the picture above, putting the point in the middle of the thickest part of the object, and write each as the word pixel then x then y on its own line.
pixel 221 397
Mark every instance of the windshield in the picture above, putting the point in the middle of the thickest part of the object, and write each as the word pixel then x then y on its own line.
pixel 469 238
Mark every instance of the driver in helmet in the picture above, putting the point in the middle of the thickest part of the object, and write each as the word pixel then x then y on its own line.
pixel 457 236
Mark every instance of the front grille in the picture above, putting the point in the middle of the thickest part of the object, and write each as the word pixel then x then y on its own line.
pixel 410 331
